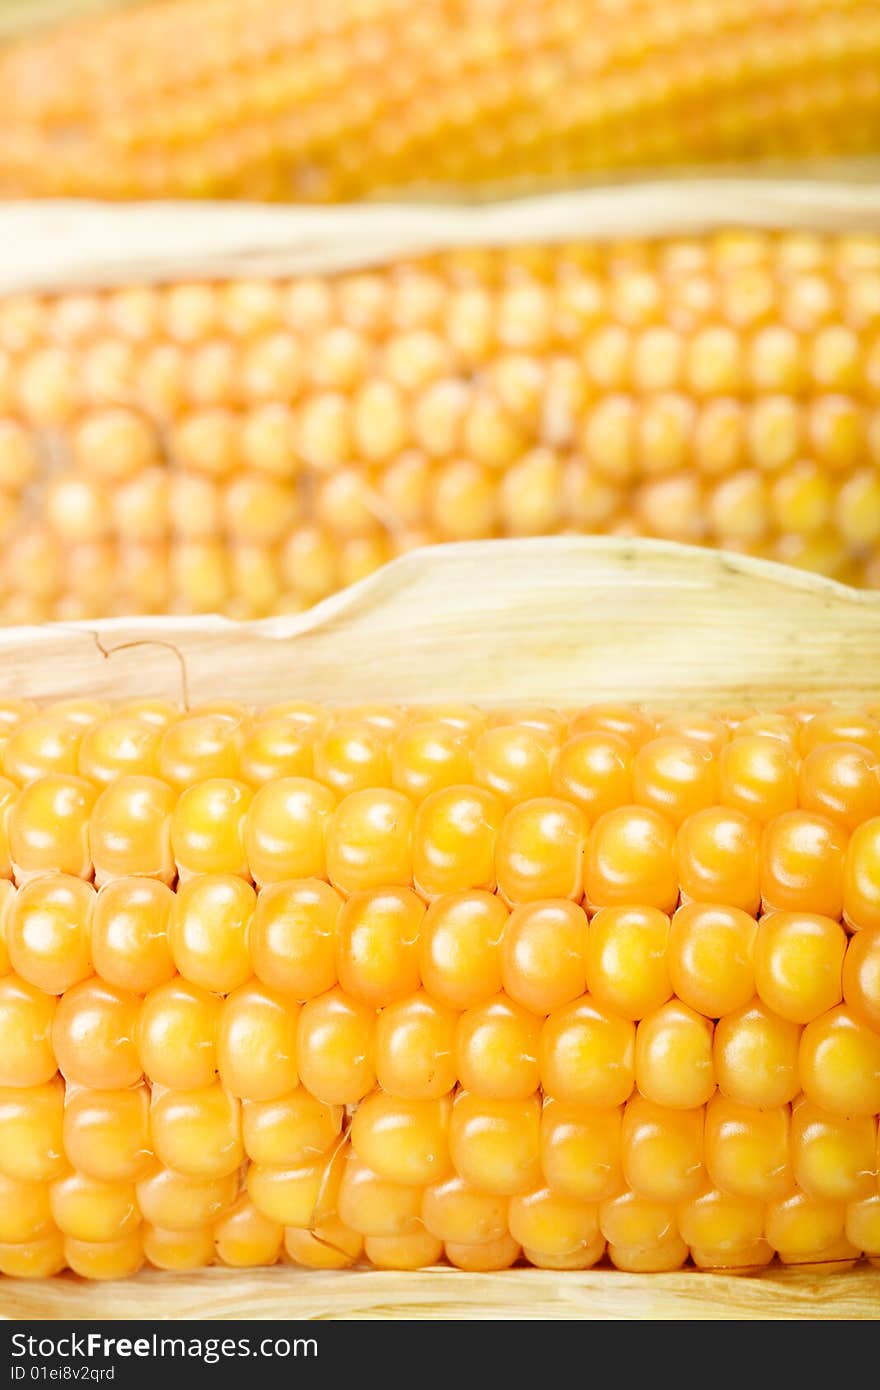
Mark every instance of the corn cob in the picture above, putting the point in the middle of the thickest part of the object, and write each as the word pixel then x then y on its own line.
pixel 398 985
pixel 272 99
pixel 250 445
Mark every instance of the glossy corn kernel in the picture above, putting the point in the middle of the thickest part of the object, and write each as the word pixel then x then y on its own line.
pixel 256 1043
pixel 627 959
pixel 756 1056
pixel 630 860
pixel 251 1062
pixel 129 934
pixel 662 1150
pixel 329 1245
pixel 207 931
pixel 710 955
pixel 496 1049
pixel 296 1126
pixel 47 929
pixel 106 1133
pixel 198 1132
pixel 723 1224
pixel 861 977
pixel 540 851
pixel 377 945
pixel 173 1201
pixel 587 1055
pixel 718 853
pixel 284 835
pixel 292 937
pixel 674 1064
pixel 460 959
pixel 454 841
pixel 207 828
pixel 130 830
pixel 543 965
pixel 177 1250
pixel 803 864
pixel 556 1232
pixel 405 1141
pixel 798 964
pixel 377 1206
pixel 834 1156
pixel 335 1048
pixel 31 1131
pixel 177 1035
pixel 747 1150
pixel 487 1258
pixel 454 1211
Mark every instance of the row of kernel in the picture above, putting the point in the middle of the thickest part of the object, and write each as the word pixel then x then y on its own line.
pixel 301 938
pixel 458 839
pixel 254 1241
pixel 181 1036
pixel 529 296
pixel 584 1152
pixel 727 402
pixel 801 517
pixel 369 101
pixel 241 581
pixel 396 1226
pixel 600 752
pixel 641 476
pixel 803 277
pixel 513 751
pixel 490 471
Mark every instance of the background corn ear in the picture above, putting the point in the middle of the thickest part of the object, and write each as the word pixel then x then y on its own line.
pixel 199 430
pixel 273 99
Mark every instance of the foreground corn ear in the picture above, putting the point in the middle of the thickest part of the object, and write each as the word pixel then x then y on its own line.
pixel 272 99
pixel 249 442
pixel 394 986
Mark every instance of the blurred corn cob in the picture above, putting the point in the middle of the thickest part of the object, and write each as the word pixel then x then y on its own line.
pixel 285 100
pixel 251 443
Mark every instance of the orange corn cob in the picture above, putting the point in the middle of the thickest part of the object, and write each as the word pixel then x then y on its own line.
pixel 249 446
pixel 278 99
pixel 398 985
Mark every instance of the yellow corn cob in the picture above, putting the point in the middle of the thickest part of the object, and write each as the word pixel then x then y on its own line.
pixel 273 99
pixel 250 445
pixel 394 985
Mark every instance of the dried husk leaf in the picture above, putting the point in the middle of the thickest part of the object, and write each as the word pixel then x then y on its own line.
pixel 562 620
pixel 68 244
pixel 530 1294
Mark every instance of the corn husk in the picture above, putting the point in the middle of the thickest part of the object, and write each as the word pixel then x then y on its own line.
pixel 562 620
pixel 518 1294
pixel 70 244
